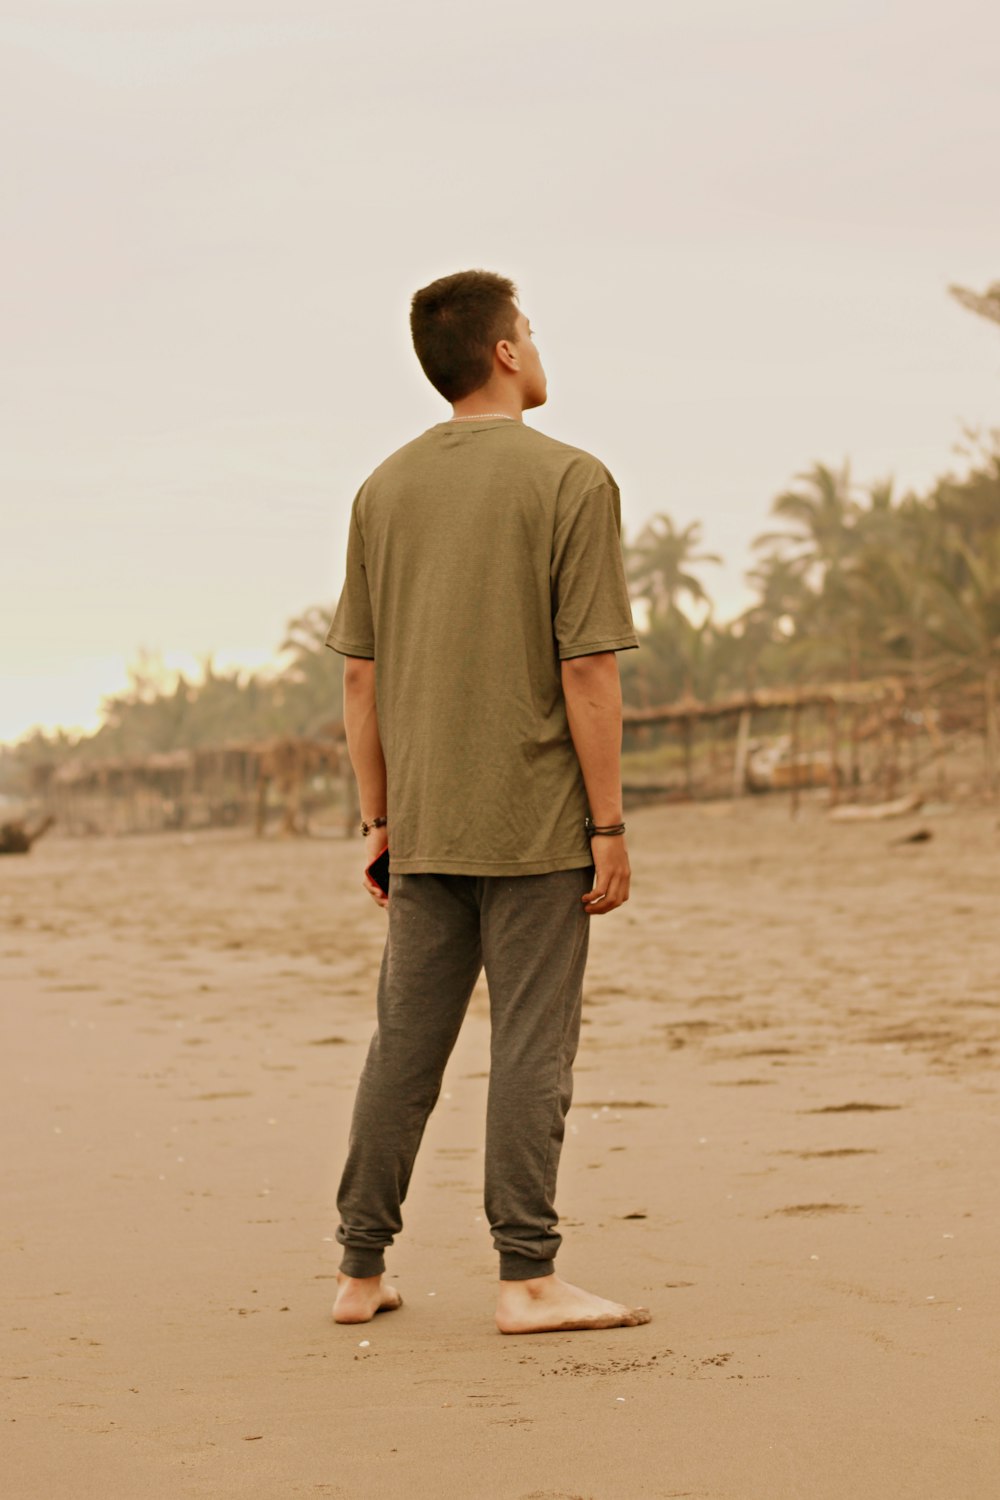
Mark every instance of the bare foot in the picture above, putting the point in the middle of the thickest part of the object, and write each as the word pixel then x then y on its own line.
pixel 547 1304
pixel 359 1298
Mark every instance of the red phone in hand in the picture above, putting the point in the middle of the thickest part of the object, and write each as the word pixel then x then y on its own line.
pixel 378 870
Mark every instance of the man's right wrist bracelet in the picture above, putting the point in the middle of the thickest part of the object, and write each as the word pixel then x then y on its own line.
pixel 591 828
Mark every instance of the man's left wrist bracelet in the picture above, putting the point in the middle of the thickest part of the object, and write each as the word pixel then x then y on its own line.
pixel 366 828
pixel 591 828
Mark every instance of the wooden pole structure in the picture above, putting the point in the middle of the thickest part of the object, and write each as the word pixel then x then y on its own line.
pixel 795 761
pixel 186 788
pixel 992 738
pixel 928 716
pixel 713 755
pixel 219 784
pixel 853 767
pixel 833 728
pixel 104 800
pixel 889 749
pixel 689 756
pixel 912 758
pixel 740 759
pixel 246 785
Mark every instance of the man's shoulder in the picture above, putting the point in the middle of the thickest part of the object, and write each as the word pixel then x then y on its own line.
pixel 398 460
pixel 568 455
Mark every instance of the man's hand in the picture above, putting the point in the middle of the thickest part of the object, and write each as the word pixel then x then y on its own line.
pixel 375 842
pixel 612 875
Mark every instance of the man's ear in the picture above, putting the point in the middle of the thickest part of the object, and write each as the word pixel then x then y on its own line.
pixel 506 353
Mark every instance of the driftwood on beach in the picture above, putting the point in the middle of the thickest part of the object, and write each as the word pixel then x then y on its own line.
pixel 879 811
pixel 17 838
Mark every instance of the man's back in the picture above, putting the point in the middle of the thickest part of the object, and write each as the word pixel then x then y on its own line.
pixel 479 556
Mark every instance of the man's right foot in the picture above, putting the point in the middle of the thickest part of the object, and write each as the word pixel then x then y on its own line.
pixel 547 1304
pixel 360 1298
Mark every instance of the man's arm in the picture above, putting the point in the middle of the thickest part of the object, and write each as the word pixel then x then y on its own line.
pixel 364 745
pixel 593 692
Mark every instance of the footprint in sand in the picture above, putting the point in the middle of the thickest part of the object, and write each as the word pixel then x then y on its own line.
pixel 740 1083
pixel 836 1151
pixel 840 1109
pixel 766 1052
pixel 227 1094
pixel 620 1104
pixel 805 1210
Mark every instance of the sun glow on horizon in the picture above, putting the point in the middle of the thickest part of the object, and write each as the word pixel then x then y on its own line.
pixel 71 699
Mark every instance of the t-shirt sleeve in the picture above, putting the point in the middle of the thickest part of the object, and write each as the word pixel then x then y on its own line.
pixel 352 631
pixel 590 602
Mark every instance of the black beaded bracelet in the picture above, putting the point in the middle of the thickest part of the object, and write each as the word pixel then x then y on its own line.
pixel 378 822
pixel 590 827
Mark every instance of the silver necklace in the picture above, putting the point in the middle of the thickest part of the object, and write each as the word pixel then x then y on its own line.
pixel 481 416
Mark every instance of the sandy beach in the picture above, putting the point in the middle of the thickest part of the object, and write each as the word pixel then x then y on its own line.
pixel 784 1140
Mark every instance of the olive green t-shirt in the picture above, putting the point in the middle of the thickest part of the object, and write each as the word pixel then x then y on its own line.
pixel 479 556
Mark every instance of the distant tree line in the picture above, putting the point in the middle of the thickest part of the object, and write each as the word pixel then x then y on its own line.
pixel 852 583
pixel 300 698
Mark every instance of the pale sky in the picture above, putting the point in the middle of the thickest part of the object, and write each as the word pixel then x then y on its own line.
pixel 732 222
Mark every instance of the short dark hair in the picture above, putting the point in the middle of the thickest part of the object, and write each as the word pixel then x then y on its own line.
pixel 455 323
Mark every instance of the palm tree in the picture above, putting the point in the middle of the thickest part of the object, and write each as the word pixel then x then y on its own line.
pixel 760 636
pixel 821 509
pixel 964 622
pixel 313 687
pixel 887 612
pixel 783 596
pixel 658 565
pixel 985 304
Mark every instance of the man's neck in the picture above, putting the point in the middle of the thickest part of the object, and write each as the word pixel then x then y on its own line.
pixel 480 404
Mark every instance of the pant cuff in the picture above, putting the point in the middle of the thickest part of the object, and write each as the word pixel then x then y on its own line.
pixel 515 1267
pixel 363 1263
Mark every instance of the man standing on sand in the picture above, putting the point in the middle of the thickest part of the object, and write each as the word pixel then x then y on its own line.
pixel 484 601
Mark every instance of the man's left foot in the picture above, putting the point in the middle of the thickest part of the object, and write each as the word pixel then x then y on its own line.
pixel 359 1298
pixel 547 1304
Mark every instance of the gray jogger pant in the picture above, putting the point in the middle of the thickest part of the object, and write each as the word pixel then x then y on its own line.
pixel 531 934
